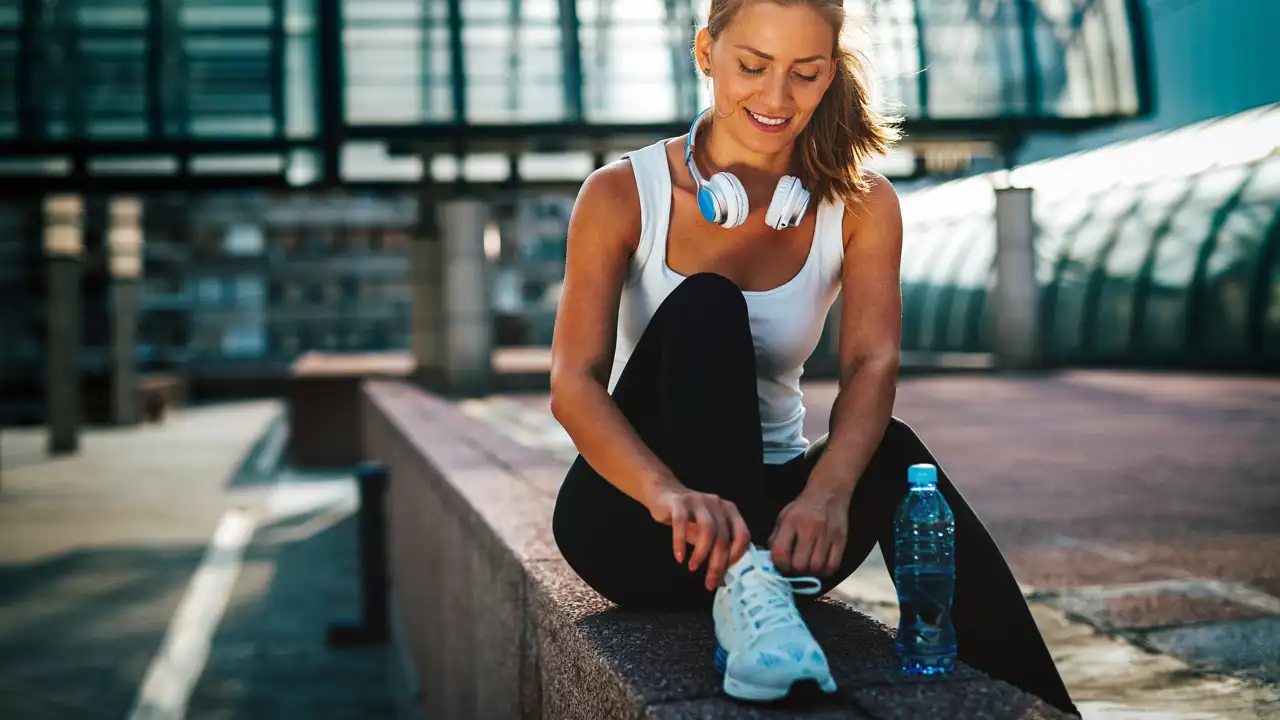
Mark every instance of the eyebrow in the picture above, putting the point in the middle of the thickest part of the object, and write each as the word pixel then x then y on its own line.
pixel 767 56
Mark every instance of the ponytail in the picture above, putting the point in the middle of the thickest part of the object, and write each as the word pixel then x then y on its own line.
pixel 844 133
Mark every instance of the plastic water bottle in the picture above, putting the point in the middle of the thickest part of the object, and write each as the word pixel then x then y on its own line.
pixel 924 572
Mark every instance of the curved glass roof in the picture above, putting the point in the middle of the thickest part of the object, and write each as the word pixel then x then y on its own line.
pixel 276 69
pixel 1162 249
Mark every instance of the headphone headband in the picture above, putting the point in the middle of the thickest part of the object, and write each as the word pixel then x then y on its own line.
pixel 723 201
pixel 688 148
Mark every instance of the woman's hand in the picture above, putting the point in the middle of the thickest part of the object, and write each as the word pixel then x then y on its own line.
pixel 708 522
pixel 810 534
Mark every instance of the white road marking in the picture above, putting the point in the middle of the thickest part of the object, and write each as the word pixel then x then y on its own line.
pixel 269 458
pixel 174 671
pixel 177 666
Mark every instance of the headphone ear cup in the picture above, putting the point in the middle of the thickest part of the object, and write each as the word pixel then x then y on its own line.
pixel 735 196
pixel 728 190
pixel 710 205
pixel 787 208
pixel 775 216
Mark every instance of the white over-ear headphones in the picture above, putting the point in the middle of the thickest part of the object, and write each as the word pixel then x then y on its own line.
pixel 723 200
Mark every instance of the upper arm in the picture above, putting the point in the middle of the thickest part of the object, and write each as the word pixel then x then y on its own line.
pixel 871 310
pixel 604 230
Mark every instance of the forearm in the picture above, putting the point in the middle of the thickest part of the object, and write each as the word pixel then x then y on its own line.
pixel 859 416
pixel 606 440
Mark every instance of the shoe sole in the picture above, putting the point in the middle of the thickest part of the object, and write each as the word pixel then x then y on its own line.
pixel 766 693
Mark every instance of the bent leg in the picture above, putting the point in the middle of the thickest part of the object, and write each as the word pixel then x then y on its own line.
pixel 689 391
pixel 995 630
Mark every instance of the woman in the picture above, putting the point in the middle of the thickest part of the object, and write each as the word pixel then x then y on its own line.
pixel 689 307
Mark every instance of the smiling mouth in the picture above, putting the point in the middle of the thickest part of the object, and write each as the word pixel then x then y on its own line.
pixel 767 120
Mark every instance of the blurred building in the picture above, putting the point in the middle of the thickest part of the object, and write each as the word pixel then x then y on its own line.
pixel 292 156
pixel 1209 58
pixel 1163 251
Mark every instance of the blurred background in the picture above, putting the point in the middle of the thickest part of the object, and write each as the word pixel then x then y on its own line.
pixel 217 216
pixel 281 153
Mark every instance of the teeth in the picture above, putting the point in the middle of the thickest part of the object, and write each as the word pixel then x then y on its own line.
pixel 765 120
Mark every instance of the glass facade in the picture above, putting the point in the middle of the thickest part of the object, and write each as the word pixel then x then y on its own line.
pixel 264 69
pixel 1159 251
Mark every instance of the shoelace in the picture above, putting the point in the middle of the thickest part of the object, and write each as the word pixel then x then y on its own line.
pixel 767 597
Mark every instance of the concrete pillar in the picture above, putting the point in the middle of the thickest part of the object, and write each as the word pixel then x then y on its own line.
pixel 124 241
pixel 468 322
pixel 1017 294
pixel 426 304
pixel 63 247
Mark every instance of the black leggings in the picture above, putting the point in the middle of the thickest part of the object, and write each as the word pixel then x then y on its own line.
pixel 689 391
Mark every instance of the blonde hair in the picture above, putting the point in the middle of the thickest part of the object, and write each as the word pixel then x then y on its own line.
pixel 844 131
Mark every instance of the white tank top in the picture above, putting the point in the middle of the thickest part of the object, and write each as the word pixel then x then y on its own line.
pixel 786 322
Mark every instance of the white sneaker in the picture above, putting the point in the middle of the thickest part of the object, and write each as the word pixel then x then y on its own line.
pixel 764 647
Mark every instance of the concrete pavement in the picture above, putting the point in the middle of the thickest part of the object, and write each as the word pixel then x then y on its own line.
pixel 115 602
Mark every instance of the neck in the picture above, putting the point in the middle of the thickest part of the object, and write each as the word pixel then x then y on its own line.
pixel 720 152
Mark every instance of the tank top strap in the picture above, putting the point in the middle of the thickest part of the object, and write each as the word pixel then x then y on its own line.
pixel 653 181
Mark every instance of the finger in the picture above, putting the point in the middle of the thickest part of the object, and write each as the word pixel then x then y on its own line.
pixel 719 553
pixel 741 537
pixel 777 525
pixel 835 555
pixel 784 539
pixel 821 551
pixel 679 531
pixel 706 535
pixel 805 538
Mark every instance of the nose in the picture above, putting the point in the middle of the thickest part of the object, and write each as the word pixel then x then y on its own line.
pixel 776 92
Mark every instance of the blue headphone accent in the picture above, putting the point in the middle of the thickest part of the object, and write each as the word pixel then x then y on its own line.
pixel 722 199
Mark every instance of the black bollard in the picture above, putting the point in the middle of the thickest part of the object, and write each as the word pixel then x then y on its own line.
pixel 374 626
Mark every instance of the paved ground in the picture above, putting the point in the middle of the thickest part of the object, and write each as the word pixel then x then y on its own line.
pixel 1141 512
pixel 107 580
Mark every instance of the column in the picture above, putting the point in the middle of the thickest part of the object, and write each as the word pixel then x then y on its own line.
pixel 468 322
pixel 1017 293
pixel 63 247
pixel 426 306
pixel 124 241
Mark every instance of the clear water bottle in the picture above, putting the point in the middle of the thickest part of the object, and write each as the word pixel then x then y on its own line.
pixel 924 571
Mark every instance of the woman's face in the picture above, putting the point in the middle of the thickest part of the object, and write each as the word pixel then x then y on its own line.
pixel 770 67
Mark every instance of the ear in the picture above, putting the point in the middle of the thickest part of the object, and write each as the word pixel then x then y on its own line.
pixel 702 44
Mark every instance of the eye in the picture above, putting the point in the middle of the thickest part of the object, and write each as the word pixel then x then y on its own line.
pixel 807 78
pixel 749 70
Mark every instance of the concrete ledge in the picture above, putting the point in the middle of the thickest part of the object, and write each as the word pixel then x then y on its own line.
pixel 498 626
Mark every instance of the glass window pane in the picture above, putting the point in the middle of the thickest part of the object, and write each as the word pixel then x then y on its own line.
pixel 970 290
pixel 1230 275
pixel 919 255
pixel 1124 263
pixel 974 60
pixel 937 298
pixel 1056 218
pixel 1164 324
pixel 635 61
pixel 1078 263
pixel 1271 312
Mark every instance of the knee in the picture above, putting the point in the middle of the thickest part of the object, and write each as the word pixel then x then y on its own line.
pixel 900 448
pixel 707 295
pixel 898 434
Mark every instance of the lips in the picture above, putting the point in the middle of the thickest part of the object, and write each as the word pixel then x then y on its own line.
pixel 767 123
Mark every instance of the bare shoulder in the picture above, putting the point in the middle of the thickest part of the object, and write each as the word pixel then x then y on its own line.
pixel 608 205
pixel 877 213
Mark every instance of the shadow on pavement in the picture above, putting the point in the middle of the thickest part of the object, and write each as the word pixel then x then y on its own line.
pixel 77 632
pixel 268 658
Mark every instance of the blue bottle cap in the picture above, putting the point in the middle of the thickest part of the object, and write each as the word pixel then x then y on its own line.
pixel 922 475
